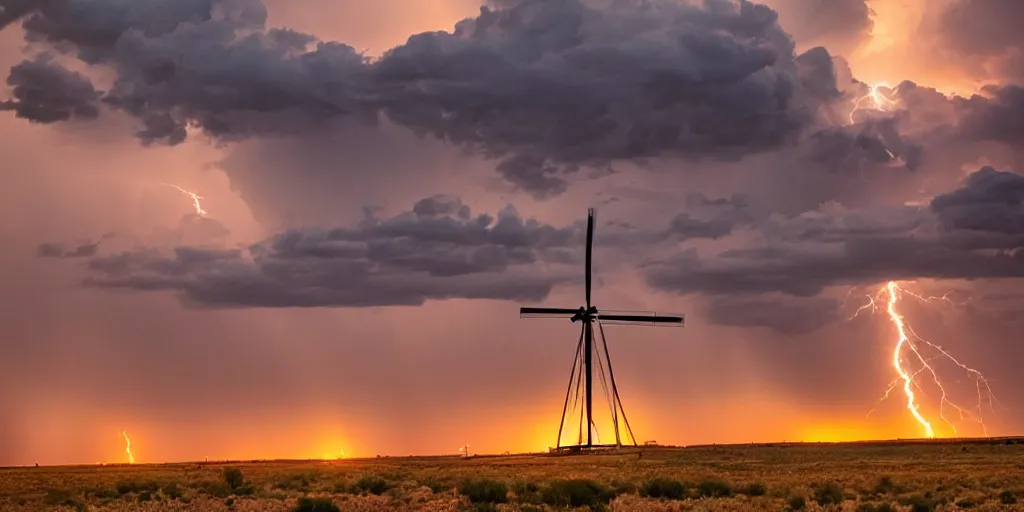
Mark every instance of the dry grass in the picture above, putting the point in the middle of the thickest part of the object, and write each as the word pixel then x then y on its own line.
pixel 823 477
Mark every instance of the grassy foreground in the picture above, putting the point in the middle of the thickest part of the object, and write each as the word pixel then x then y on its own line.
pixel 862 477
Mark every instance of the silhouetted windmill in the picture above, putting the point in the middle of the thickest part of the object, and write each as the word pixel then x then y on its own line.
pixel 582 374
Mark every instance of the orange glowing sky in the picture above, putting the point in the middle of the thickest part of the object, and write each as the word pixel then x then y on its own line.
pixel 83 365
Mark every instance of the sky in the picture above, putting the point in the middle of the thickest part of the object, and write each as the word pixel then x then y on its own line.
pixel 382 184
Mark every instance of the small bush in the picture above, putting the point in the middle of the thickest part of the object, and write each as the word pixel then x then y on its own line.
pixel 296 482
pixel 1007 498
pixel 485 507
pixel 484 490
pixel 663 488
pixel 436 485
pixel 918 503
pixel 236 482
pixel 102 493
pixel 753 489
pixel 130 486
pixel 884 485
pixel 373 485
pixel 714 489
pixel 315 505
pixel 829 493
pixel 234 478
pixel 797 503
pixel 58 497
pixel 577 493
pixel 171 491
pixel 966 503
pixel 527 492
pixel 623 487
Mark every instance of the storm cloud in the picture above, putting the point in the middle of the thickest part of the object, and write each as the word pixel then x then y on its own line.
pixel 974 232
pixel 436 251
pixel 543 86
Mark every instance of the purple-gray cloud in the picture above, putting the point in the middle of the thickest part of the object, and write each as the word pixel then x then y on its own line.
pixel 436 251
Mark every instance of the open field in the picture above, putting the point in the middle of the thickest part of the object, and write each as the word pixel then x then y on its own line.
pixel 858 476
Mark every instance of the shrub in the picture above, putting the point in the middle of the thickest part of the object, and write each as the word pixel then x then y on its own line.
pixel 623 487
pixel 234 478
pixel 435 484
pixel 296 481
pixel 172 491
pixel 102 493
pixel 58 497
pixel 885 485
pixel 373 485
pixel 1007 498
pixel 236 482
pixel 130 486
pixel 315 505
pixel 918 503
pixel 797 503
pixel 663 488
pixel 714 489
pixel 829 493
pixel 527 492
pixel 484 490
pixel 577 493
pixel 754 489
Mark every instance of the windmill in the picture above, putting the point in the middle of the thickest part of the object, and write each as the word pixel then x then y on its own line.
pixel 582 374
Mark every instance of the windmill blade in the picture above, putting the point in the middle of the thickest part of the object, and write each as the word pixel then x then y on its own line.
pixel 547 312
pixel 651 319
pixel 590 249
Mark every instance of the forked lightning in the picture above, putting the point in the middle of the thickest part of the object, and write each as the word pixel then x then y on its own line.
pixel 913 347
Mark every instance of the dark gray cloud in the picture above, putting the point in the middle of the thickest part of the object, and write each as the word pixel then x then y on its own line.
pixel 996 116
pixel 974 232
pixel 711 218
pixel 543 86
pixel 436 253
pixel 46 92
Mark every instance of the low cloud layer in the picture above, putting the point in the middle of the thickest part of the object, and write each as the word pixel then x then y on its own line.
pixel 436 251
pixel 974 232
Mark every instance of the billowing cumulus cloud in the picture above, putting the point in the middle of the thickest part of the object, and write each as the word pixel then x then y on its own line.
pixel 436 251
pixel 546 87
pixel 46 92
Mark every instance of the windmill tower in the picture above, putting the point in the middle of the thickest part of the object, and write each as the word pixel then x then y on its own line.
pixel 582 375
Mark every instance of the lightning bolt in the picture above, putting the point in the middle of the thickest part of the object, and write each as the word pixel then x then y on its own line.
pixel 910 346
pixel 875 100
pixel 128 447
pixel 195 198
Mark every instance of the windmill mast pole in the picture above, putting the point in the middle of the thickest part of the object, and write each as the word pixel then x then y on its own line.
pixel 588 326
pixel 590 378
